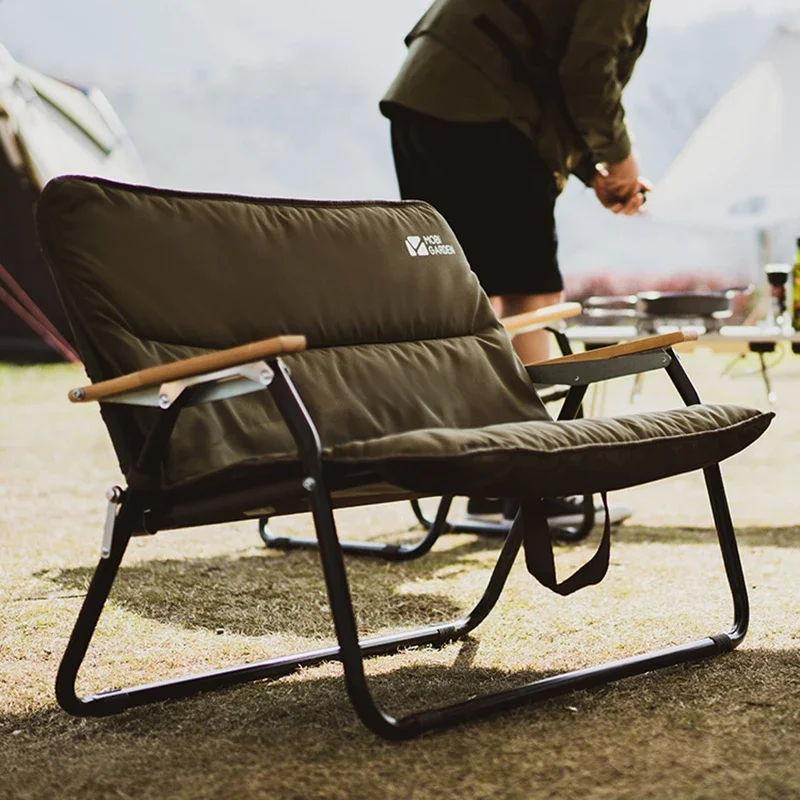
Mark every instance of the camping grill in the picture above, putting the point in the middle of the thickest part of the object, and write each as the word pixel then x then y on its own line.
pixel 649 311
pixel 653 312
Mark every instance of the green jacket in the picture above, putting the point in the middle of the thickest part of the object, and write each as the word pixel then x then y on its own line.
pixel 554 68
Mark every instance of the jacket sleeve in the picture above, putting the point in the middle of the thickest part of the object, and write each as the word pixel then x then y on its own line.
pixel 584 168
pixel 590 76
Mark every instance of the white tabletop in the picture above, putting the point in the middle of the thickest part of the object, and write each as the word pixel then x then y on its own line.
pixel 611 334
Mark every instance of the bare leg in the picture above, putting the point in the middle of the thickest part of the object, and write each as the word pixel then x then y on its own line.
pixel 534 346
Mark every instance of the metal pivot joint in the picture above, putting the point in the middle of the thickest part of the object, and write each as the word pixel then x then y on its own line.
pixel 114 495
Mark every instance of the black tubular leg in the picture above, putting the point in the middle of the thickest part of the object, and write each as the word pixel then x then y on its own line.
pixel 730 554
pixel 721 513
pixel 462 526
pixel 681 381
pixel 423 520
pixel 85 625
pixel 573 404
pixel 562 340
pixel 772 398
pixel 387 552
pixel 350 650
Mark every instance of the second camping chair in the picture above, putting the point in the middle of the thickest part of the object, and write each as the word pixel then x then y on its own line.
pixel 584 509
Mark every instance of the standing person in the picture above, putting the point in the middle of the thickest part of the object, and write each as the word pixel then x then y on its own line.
pixel 497 104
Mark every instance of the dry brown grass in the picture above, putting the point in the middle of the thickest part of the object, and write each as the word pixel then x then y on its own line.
pixel 729 727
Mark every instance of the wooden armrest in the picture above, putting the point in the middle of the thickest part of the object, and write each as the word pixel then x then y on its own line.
pixel 531 320
pixel 626 348
pixel 190 367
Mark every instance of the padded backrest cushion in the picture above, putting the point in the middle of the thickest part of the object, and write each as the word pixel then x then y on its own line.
pixel 401 336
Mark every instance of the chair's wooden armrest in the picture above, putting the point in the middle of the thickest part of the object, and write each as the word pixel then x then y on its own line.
pixel 626 348
pixel 190 367
pixel 532 320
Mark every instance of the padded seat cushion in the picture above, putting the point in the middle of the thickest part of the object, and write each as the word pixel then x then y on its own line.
pixel 559 458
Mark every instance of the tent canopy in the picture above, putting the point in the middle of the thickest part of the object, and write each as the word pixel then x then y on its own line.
pixel 52 128
pixel 741 167
pixel 47 128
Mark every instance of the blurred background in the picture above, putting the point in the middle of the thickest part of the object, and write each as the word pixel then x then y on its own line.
pixel 280 98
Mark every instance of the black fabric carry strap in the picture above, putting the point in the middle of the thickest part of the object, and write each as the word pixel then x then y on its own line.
pixel 539 558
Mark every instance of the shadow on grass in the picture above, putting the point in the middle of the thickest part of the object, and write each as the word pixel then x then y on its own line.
pixel 302 736
pixel 729 722
pixel 746 536
pixel 277 592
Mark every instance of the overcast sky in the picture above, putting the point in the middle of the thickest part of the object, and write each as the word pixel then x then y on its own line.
pixel 321 64
pixel 158 39
pixel 684 12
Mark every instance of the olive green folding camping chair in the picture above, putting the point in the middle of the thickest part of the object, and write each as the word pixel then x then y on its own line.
pixel 259 357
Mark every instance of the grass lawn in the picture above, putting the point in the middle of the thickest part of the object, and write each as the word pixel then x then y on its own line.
pixel 205 598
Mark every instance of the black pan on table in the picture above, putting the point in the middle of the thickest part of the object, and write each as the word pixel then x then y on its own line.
pixel 648 306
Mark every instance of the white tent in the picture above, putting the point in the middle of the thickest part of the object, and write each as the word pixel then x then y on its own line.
pixel 47 128
pixel 741 167
pixel 50 128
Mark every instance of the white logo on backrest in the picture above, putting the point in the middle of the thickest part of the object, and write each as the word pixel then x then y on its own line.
pixel 428 246
pixel 416 247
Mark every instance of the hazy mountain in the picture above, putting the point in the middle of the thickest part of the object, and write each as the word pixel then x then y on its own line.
pixel 281 99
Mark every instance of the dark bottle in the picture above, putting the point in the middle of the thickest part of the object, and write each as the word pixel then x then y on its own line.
pixel 796 291
pixel 778 276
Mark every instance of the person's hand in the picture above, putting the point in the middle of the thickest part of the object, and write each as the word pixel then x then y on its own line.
pixel 621 178
pixel 630 207
pixel 620 188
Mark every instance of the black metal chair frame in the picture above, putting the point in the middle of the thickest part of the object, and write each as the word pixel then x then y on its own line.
pixel 132 518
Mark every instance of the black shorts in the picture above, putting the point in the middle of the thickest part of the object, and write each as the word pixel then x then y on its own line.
pixel 496 193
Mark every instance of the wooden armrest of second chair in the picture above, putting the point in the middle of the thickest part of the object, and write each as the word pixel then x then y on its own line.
pixel 540 318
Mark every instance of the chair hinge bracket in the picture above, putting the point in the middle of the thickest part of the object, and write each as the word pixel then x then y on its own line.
pixel 114 495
